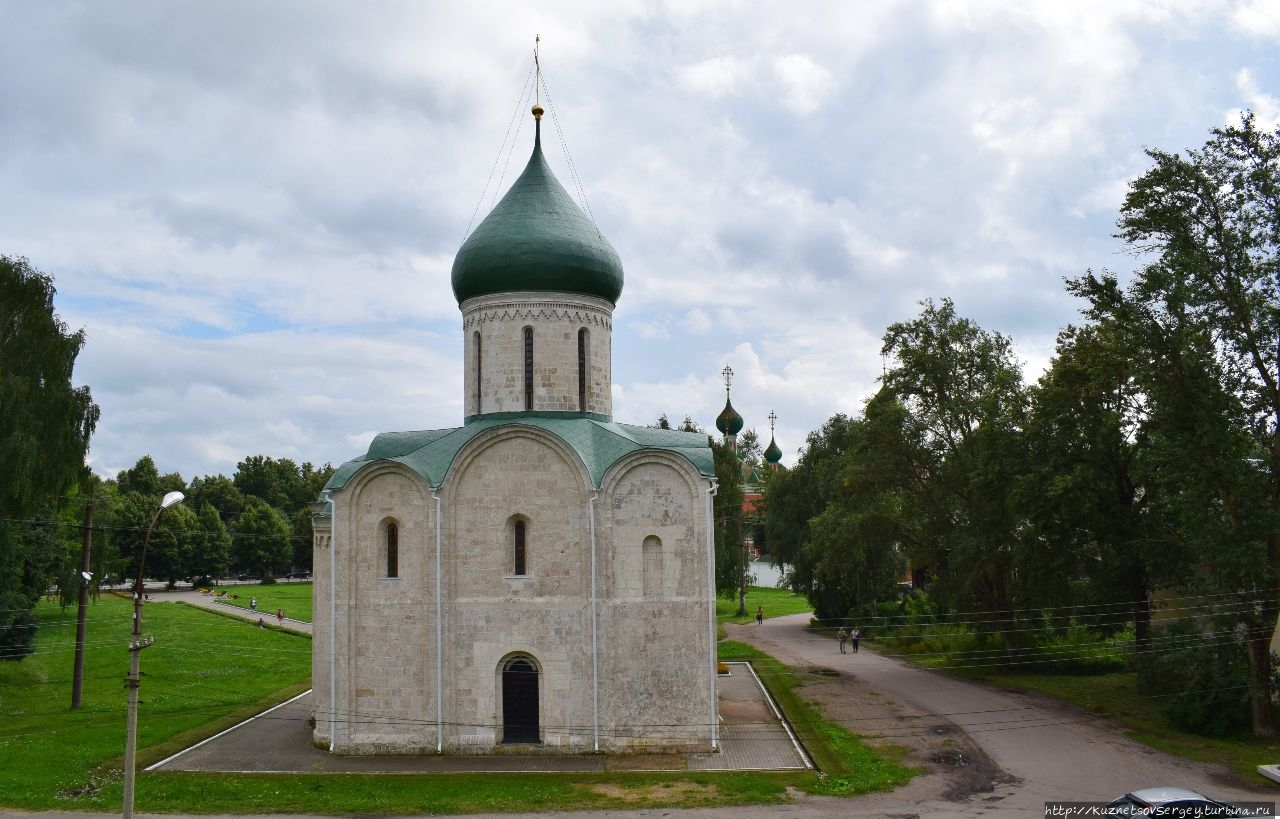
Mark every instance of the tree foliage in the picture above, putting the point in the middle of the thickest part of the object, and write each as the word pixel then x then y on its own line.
pixel 1202 318
pixel 45 426
pixel 1144 462
pixel 261 542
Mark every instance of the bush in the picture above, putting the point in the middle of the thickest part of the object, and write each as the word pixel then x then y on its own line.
pixel 1204 676
pixel 1079 649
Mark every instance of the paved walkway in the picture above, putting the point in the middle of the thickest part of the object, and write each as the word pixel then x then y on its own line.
pixel 753 735
pixel 208 601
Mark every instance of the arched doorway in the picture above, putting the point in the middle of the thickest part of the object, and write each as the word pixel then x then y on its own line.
pixel 520 701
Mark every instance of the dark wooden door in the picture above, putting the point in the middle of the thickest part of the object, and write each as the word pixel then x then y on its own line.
pixel 520 701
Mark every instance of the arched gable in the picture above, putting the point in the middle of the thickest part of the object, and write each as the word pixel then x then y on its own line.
pixel 656 497
pixel 517 473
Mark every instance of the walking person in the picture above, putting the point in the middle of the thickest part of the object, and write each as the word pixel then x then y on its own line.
pixel 280 616
pixel 253 604
pixel 842 637
pixel 759 615
pixel 854 637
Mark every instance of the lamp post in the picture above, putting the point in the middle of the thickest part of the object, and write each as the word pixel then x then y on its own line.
pixel 135 669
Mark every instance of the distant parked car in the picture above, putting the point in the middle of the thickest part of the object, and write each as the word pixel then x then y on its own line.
pixel 248 577
pixel 1168 802
pixel 303 575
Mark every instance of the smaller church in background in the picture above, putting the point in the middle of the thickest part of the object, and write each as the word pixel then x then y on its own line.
pixel 541 578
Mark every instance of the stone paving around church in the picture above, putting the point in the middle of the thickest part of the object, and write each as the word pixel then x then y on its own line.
pixel 752 736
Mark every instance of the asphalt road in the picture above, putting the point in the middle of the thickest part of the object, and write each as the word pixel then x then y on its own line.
pixel 1046 752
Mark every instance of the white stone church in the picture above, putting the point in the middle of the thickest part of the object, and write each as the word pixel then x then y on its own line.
pixel 539 579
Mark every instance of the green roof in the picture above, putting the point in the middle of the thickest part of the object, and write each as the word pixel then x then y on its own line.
pixel 599 443
pixel 536 238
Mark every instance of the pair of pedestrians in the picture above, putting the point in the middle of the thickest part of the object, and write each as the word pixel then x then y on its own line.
pixel 852 636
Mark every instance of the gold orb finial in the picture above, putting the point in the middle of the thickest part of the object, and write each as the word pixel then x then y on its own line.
pixel 537 111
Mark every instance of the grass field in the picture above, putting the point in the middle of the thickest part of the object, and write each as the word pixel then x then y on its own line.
pixel 294 598
pixel 205 673
pixel 776 603
pixel 202 672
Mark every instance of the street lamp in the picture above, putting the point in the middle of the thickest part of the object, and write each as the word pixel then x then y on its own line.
pixel 135 669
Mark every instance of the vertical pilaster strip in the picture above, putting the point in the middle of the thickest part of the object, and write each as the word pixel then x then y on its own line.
pixel 595 645
pixel 435 493
pixel 711 611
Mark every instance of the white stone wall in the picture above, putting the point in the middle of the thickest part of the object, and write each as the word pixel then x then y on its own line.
pixel 545 614
pixel 652 650
pixel 657 648
pixel 499 320
pixel 385 649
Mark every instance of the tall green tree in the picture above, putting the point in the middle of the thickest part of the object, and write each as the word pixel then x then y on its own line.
pixel 796 497
pixel 858 542
pixel 729 549
pixel 965 402
pixel 261 540
pixel 1091 494
pixel 220 492
pixel 211 552
pixel 171 551
pixel 45 426
pixel 1204 315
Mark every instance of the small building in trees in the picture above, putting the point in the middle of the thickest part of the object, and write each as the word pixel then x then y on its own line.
pixel 541 577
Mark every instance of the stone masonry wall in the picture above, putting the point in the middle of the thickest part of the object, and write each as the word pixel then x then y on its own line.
pixel 657 684
pixel 495 613
pixel 555 319
pixel 386 625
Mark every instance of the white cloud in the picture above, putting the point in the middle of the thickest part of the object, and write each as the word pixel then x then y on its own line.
pixel 1265 107
pixel 1257 19
pixel 805 84
pixel 697 321
pixel 649 329
pixel 258 238
pixel 714 76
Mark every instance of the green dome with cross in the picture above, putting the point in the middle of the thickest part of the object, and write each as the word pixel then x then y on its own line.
pixel 537 238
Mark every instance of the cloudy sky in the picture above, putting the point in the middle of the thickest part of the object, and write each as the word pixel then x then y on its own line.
pixel 252 208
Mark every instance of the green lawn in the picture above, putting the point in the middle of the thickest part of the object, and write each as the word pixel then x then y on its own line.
pixel 294 598
pixel 201 674
pixel 205 673
pixel 776 603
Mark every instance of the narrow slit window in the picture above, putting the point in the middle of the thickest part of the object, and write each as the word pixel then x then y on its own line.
pixel 393 550
pixel 583 338
pixel 479 370
pixel 528 368
pixel 520 549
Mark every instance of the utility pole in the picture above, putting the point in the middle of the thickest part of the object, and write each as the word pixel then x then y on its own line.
pixel 77 676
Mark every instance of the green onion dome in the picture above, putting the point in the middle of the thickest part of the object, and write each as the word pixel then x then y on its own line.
pixel 536 238
pixel 729 422
pixel 772 454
